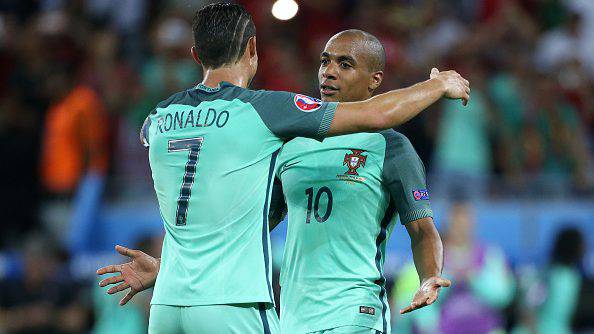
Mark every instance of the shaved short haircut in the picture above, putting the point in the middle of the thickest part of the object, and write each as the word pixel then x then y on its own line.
pixel 221 32
pixel 374 49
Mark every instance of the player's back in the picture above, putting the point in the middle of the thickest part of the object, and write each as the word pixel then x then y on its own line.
pixel 212 153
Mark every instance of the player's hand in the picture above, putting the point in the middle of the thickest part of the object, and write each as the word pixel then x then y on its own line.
pixel 427 293
pixel 456 87
pixel 138 274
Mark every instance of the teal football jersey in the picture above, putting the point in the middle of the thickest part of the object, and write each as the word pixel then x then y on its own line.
pixel 343 197
pixel 212 153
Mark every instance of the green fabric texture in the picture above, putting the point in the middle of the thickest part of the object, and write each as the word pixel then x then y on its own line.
pixel 212 153
pixel 343 196
pixel 223 319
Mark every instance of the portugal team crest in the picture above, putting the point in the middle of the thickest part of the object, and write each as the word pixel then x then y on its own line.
pixel 306 103
pixel 353 161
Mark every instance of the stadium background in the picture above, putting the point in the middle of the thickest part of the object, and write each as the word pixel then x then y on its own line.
pixel 511 175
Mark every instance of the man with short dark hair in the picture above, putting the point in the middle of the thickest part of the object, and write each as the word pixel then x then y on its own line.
pixel 212 152
pixel 344 196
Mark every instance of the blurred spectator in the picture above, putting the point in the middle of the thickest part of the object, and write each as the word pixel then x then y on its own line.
pixel 75 139
pixel 44 300
pixel 557 132
pixel 463 152
pixel 75 149
pixel 483 286
pixel 551 302
pixel 507 89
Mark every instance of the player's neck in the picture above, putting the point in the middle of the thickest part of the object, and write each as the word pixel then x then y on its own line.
pixel 234 75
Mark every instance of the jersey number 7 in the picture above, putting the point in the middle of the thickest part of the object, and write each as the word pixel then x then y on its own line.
pixel 193 145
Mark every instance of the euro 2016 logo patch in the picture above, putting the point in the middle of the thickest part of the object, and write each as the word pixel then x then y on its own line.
pixel 306 103
pixel 421 195
pixel 353 161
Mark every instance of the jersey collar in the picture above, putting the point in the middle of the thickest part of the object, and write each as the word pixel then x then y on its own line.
pixel 207 89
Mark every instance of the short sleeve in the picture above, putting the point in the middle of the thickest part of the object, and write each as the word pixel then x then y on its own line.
pixel 404 175
pixel 290 115
pixel 144 132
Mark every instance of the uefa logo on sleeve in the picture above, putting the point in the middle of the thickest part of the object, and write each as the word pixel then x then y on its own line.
pixel 306 103
pixel 421 195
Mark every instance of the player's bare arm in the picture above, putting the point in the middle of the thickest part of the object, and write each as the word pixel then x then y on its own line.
pixel 136 275
pixel 427 251
pixel 396 107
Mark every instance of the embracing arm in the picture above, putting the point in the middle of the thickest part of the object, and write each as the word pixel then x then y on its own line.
pixel 288 115
pixel 393 108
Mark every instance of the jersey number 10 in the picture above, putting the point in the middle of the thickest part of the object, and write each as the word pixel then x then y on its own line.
pixel 316 204
pixel 193 145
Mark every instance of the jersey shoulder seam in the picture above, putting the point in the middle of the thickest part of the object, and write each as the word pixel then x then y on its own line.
pixel 193 96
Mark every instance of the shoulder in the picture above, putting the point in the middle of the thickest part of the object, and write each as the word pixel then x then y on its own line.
pixel 268 93
pixel 194 96
pixel 266 96
pixel 393 135
pixel 396 142
pixel 302 102
pixel 182 97
pixel 400 153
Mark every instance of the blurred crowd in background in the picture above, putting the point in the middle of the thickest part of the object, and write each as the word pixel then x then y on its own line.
pixel 78 77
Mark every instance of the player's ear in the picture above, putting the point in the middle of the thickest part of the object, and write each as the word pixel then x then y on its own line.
pixel 251 47
pixel 195 55
pixel 252 54
pixel 375 80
